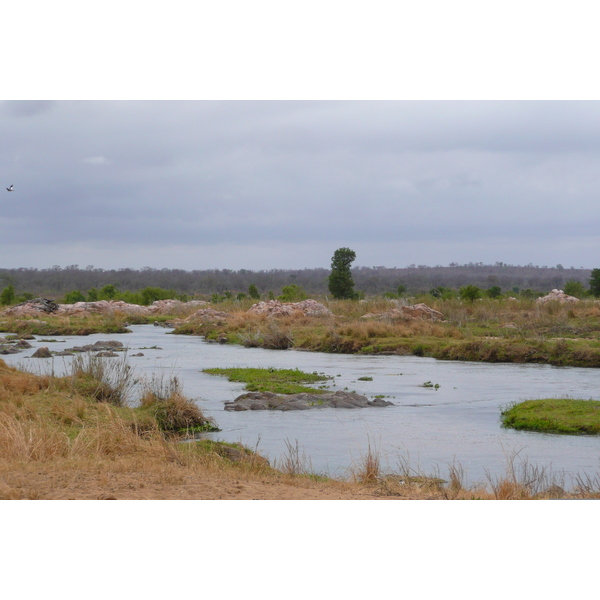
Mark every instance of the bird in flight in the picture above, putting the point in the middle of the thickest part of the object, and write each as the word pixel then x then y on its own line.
pixel 10 189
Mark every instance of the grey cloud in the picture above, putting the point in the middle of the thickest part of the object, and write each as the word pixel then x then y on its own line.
pixel 292 173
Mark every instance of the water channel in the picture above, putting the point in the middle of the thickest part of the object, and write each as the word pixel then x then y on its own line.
pixel 428 428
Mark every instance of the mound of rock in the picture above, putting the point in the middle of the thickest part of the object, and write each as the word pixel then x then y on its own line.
pixel 304 401
pixel 33 307
pixel 408 313
pixel 43 305
pixel 275 308
pixel 557 296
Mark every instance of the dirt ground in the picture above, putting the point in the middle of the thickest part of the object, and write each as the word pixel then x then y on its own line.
pixel 35 484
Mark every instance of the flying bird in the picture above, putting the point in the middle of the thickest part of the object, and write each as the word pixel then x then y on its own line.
pixel 10 189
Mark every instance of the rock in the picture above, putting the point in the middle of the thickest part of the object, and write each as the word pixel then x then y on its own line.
pixel 42 352
pixel 303 401
pixel 138 354
pixel 557 296
pixel 107 353
pixel 275 308
pixel 32 307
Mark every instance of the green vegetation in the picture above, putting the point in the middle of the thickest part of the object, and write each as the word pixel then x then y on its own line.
pixel 341 284
pixel 253 292
pixel 7 296
pixel 575 288
pixel 279 381
pixel 554 415
pixel 292 293
pixel 595 283
pixel 470 293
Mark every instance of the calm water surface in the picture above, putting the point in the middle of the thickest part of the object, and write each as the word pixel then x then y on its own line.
pixel 460 422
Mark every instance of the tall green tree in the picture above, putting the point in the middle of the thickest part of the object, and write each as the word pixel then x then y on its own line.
pixel 595 282
pixel 341 284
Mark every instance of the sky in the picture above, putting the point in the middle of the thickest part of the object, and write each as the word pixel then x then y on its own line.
pixel 269 150
pixel 201 184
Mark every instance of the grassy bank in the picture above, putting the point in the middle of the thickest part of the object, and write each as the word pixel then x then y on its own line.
pixel 491 330
pixel 555 415
pixel 487 330
pixel 278 381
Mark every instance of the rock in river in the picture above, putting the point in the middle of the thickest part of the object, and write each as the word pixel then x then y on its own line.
pixel 304 401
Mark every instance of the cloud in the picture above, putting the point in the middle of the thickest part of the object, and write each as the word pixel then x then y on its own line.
pixel 264 179
pixel 96 160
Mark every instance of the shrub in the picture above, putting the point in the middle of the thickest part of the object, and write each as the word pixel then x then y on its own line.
pixel 173 412
pixel 470 293
pixel 8 295
pixel 574 288
pixel 73 297
pixel 292 293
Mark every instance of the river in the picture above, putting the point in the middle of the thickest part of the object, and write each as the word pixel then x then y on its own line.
pixel 428 428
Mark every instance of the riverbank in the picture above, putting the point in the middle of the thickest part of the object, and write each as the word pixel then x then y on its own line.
pixel 487 330
pixel 61 439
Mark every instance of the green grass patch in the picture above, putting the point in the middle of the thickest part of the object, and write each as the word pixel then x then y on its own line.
pixel 279 381
pixel 555 415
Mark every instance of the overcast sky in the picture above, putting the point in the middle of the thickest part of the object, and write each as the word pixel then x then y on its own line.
pixel 283 184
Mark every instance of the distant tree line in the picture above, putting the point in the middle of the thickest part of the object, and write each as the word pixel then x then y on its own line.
pixel 148 284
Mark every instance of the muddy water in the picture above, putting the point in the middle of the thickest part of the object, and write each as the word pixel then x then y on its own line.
pixel 429 428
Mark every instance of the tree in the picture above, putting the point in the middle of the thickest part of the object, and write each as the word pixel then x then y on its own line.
pixel 253 292
pixel 107 292
pixel 574 288
pixel 469 292
pixel 595 282
pixel 341 284
pixel 8 295
pixel 494 292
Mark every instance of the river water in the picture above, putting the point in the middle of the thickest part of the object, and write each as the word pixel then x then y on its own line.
pixel 428 428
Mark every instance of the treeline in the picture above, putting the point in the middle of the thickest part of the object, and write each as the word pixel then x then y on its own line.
pixel 57 282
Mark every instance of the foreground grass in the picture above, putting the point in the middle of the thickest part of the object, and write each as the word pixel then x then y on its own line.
pixel 555 415
pixel 279 381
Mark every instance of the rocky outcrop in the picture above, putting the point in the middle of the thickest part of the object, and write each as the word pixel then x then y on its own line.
pixel 304 401
pixel 275 308
pixel 43 305
pixel 557 296
pixel 33 307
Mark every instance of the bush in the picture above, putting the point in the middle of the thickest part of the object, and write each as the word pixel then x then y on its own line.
pixel 73 297
pixel 173 412
pixel 292 293
pixel 575 288
pixel 470 293
pixel 8 295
